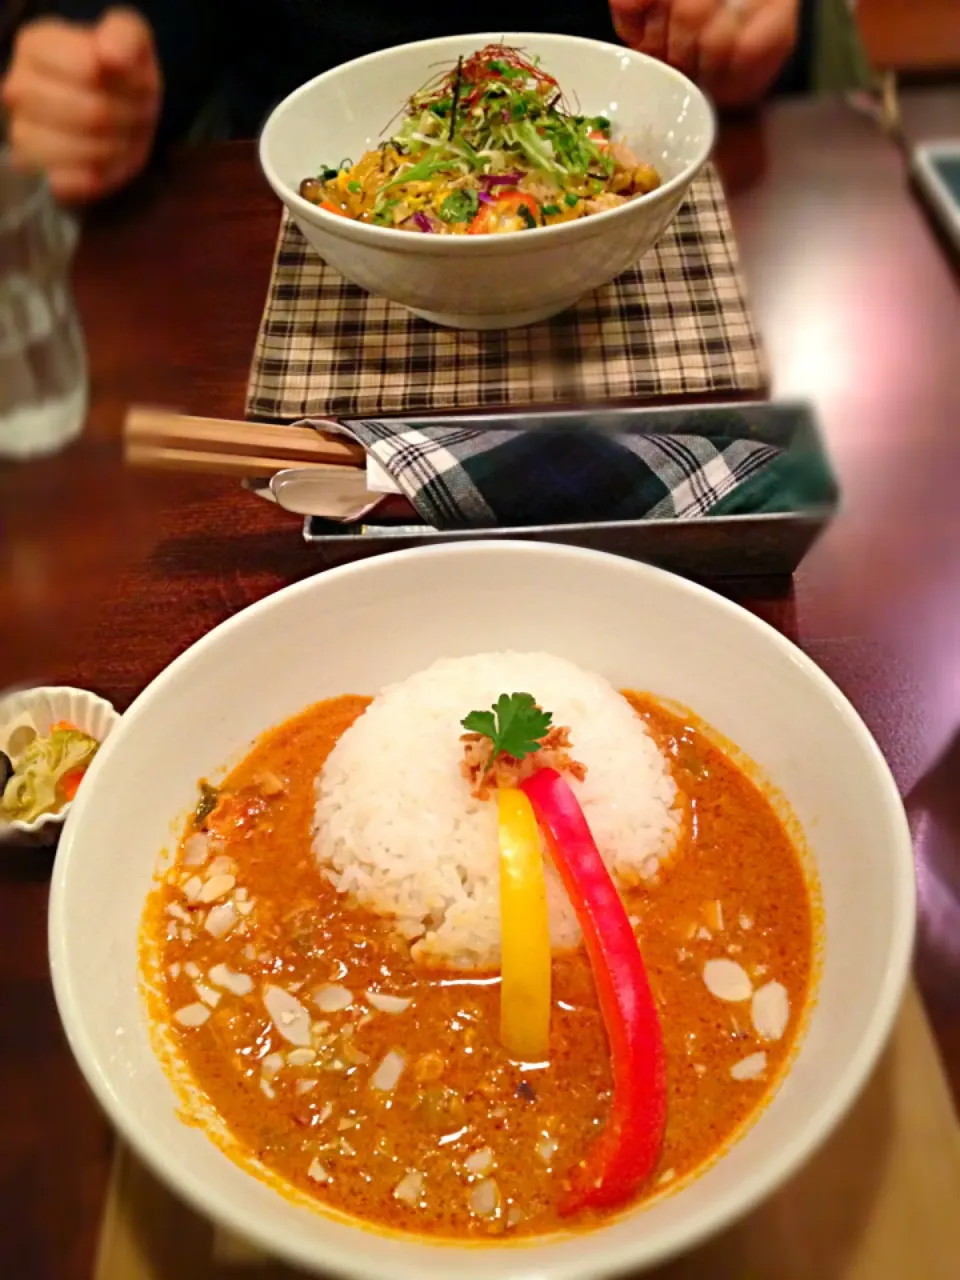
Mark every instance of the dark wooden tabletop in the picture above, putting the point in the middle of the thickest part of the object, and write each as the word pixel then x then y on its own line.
pixel 106 575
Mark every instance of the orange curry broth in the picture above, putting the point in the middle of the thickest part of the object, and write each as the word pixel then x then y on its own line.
pixel 457 1094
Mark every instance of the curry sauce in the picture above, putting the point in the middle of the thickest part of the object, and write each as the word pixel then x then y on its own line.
pixel 462 1142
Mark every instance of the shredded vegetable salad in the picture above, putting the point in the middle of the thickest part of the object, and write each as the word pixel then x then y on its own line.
pixel 46 774
pixel 491 146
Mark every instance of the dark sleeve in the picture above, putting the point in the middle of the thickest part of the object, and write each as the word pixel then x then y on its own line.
pixel 191 37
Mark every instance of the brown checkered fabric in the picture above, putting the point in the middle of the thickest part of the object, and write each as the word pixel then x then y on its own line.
pixel 675 324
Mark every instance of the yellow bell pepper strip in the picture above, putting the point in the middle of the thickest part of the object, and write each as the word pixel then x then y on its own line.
pixel 525 932
pixel 627 1151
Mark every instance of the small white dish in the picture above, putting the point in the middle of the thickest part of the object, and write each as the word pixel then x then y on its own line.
pixel 38 710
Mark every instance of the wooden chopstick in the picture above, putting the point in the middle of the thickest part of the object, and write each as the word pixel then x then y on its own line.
pixel 173 441
pixel 254 466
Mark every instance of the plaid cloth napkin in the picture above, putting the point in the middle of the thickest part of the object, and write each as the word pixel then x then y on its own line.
pixel 462 477
pixel 676 324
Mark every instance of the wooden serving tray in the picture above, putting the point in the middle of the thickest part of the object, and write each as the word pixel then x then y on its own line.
pixel 881 1201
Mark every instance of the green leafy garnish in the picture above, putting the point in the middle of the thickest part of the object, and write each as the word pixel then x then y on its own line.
pixel 515 725
pixel 432 161
pixel 460 206
pixel 206 804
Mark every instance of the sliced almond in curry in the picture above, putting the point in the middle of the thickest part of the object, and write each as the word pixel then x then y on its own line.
pixel 216 887
pixel 196 850
pixel 727 980
pixel 409 1189
pixel 220 919
pixel 479 1162
pixel 388 1072
pixel 485 1198
pixel 332 999
pixel 207 994
pixel 238 984
pixel 192 888
pixel 770 1011
pixel 749 1068
pixel 301 1057
pixel 288 1015
pixel 192 1015
pixel 385 1003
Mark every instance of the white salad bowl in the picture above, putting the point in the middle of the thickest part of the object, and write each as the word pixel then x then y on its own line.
pixel 355 629
pixel 494 281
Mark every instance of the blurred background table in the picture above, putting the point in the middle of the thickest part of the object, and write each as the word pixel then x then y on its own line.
pixel 921 38
pixel 105 575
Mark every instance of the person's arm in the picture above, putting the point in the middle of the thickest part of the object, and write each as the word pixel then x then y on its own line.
pixel 189 36
pixel 733 48
pixel 93 90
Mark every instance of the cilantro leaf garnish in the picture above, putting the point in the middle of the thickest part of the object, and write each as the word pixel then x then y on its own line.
pixel 515 726
pixel 460 206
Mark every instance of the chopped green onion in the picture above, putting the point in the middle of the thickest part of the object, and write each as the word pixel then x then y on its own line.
pixel 570 199
pixel 551 210
pixel 383 215
pixel 355 187
pixel 527 216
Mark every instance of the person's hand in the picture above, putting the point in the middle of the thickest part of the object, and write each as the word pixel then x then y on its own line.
pixel 733 48
pixel 83 102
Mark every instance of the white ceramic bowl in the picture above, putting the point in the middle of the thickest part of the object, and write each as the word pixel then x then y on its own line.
pixel 39 709
pixel 489 282
pixel 358 627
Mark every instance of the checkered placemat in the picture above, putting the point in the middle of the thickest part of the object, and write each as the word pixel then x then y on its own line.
pixel 676 324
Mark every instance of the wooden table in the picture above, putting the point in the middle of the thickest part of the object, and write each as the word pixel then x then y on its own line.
pixel 106 576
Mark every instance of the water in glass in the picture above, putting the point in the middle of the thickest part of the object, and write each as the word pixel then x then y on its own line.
pixel 43 367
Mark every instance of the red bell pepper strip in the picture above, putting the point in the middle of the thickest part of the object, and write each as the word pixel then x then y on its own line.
pixel 627 1151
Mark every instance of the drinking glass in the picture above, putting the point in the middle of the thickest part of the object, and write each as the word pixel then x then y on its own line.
pixel 43 366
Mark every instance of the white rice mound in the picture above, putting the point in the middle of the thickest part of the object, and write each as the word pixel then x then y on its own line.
pixel 397 829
